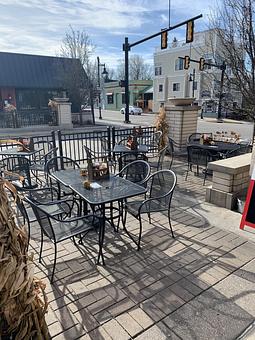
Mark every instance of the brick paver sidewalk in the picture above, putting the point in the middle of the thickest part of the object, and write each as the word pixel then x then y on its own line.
pixel 199 285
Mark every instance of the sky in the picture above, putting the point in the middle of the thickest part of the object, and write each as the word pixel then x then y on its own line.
pixel 38 26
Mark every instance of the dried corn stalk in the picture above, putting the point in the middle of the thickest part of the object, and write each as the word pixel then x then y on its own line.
pixel 161 125
pixel 23 302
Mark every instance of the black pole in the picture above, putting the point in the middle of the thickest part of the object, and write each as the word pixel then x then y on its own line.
pixel 126 49
pixel 99 90
pixel 193 83
pixel 92 102
pixel 223 68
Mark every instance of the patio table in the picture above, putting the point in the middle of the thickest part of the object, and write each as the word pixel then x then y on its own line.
pixel 123 149
pixel 15 152
pixel 111 190
pixel 217 148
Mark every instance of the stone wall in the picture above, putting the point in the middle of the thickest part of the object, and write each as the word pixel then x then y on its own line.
pixel 182 121
pixel 230 178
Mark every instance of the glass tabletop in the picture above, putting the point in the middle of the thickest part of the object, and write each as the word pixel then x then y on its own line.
pixel 15 152
pixel 110 190
pixel 123 148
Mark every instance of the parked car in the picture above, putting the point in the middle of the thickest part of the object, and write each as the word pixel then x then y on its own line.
pixel 133 110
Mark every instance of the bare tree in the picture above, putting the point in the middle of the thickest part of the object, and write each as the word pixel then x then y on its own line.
pixel 138 68
pixel 79 77
pixel 77 45
pixel 234 23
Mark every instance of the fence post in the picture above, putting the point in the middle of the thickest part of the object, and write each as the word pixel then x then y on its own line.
pixel 54 143
pixel 60 149
pixel 109 146
pixel 113 140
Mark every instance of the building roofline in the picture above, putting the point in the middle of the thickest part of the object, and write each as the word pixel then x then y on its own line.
pixel 37 55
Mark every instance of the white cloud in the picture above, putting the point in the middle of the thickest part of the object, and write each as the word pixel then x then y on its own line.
pixel 38 26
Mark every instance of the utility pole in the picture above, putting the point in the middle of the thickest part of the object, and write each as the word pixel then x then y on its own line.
pixel 127 47
pixel 104 73
pixel 192 78
pixel 223 69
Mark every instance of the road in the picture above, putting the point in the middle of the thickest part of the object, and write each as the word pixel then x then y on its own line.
pixel 245 129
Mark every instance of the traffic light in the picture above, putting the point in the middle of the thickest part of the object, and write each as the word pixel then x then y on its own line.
pixel 190 31
pixel 186 62
pixel 201 64
pixel 163 40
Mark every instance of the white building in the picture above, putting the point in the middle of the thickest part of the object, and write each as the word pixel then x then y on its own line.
pixel 173 81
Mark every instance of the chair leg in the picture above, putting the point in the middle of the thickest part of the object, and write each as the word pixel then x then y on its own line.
pixel 187 172
pixel 170 224
pixel 54 263
pixel 140 233
pixel 28 233
pixel 124 217
pixel 149 216
pixel 41 248
pixel 205 176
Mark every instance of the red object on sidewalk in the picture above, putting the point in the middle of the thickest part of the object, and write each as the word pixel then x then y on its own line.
pixel 248 218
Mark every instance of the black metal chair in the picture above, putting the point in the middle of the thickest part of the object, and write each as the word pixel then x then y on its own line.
pixel 198 157
pixel 39 165
pixel 17 170
pixel 194 138
pixel 165 159
pixel 128 158
pixel 60 163
pixel 137 171
pixel 103 155
pixel 44 196
pixel 153 143
pixel 178 150
pixel 58 230
pixel 161 186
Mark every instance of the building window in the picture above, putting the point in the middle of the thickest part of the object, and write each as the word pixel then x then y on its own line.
pixel 110 98
pixel 158 71
pixel 179 64
pixel 176 86
pixel 160 88
pixel 195 85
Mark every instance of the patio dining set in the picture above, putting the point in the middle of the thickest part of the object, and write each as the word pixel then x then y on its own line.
pixel 68 199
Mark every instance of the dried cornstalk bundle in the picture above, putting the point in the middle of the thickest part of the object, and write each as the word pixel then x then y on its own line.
pixel 23 301
pixel 161 125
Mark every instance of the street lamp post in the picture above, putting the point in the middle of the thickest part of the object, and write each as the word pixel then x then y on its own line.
pixel 192 78
pixel 223 69
pixel 104 73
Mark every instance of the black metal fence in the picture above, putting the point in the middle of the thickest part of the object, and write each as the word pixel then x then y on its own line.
pixel 71 144
pixel 23 118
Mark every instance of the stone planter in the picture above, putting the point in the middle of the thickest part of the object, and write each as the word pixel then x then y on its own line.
pixel 181 117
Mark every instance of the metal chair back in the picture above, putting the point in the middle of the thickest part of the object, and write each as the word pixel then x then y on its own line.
pixel 162 184
pixel 137 171
pixel 18 166
pixel 60 163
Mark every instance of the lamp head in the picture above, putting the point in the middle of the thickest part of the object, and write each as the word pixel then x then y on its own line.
pixel 104 73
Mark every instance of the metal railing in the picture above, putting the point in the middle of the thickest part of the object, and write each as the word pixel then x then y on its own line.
pixel 71 144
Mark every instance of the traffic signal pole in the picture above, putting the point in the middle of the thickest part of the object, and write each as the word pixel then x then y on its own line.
pixel 223 69
pixel 127 47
